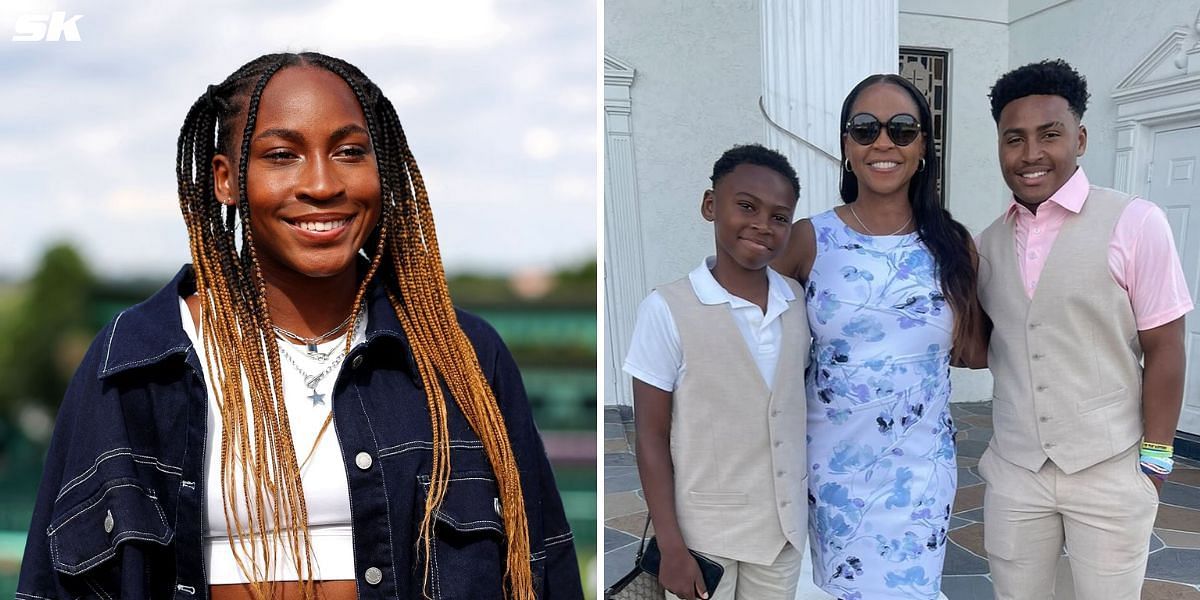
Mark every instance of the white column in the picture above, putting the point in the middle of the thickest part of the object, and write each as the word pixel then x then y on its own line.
pixel 624 277
pixel 814 51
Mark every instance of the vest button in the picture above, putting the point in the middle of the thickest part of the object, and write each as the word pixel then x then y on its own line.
pixel 780 473
pixel 1038 356
pixel 774 412
pixel 1034 325
pixel 1044 419
pixel 1042 388
pixel 778 443
pixel 1048 445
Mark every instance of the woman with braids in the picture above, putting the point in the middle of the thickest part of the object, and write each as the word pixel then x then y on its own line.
pixel 300 413
pixel 890 284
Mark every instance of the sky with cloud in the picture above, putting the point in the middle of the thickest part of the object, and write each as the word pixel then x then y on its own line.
pixel 498 99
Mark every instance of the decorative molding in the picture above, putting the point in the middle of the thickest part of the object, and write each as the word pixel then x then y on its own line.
pixel 813 53
pixel 1170 70
pixel 617 72
pixel 1124 137
pixel 624 273
pixel 1122 172
pixel 1169 60
pixel 1161 91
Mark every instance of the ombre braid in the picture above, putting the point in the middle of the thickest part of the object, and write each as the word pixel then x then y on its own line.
pixel 238 336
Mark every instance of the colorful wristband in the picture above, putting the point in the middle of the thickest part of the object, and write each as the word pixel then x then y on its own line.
pixel 1155 468
pixel 1156 460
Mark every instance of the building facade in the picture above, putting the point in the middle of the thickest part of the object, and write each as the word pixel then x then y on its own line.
pixel 684 81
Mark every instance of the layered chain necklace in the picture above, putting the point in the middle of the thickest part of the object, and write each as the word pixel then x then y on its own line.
pixel 310 344
pixel 323 363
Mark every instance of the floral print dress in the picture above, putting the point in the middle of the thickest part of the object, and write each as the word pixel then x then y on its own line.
pixel 880 439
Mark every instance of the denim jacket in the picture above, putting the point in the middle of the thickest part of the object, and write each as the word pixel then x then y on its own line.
pixel 120 511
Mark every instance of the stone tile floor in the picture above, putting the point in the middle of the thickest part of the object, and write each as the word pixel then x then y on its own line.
pixel 1173 572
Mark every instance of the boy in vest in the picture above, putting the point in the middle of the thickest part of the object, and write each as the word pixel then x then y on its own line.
pixel 718 361
pixel 1087 297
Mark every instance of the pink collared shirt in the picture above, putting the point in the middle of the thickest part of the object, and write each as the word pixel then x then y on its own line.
pixel 1141 252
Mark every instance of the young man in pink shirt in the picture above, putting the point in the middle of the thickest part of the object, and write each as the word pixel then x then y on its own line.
pixel 1087 296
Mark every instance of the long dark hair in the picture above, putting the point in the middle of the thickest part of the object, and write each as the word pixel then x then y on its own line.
pixel 948 241
pixel 238 335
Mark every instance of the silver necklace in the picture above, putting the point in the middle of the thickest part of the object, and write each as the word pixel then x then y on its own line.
pixel 312 381
pixel 868 229
pixel 310 344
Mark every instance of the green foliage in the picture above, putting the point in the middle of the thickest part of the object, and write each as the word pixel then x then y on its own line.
pixel 46 330
pixel 568 288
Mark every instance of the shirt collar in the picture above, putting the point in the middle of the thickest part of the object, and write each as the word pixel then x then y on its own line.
pixel 1070 196
pixel 151 332
pixel 709 291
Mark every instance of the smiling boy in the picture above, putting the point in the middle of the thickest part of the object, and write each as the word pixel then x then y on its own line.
pixel 718 361
pixel 1087 297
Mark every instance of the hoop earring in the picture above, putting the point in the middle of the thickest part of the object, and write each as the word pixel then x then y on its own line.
pixel 846 164
pixel 921 165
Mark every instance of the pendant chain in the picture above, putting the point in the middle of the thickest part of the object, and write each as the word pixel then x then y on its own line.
pixel 311 342
pixel 868 229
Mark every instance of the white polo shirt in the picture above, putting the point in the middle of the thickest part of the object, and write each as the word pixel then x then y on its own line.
pixel 655 356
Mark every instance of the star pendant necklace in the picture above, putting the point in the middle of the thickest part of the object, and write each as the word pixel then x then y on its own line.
pixel 311 381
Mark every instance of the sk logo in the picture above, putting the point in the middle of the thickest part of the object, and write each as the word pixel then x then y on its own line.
pixel 53 27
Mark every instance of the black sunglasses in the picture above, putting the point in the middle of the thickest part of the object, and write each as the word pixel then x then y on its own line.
pixel 864 128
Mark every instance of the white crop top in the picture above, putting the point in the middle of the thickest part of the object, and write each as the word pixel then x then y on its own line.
pixel 323 477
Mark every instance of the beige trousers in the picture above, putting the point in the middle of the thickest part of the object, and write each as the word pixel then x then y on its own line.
pixel 748 581
pixel 1104 513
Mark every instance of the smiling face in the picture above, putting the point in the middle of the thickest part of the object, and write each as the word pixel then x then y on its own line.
pixel 312 180
pixel 751 209
pixel 882 167
pixel 1040 143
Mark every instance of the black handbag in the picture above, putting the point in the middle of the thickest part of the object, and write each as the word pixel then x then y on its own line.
pixel 641 582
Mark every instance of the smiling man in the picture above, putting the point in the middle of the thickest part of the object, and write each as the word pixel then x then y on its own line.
pixel 1088 297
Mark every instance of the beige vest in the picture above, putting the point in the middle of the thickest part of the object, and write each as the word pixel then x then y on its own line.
pixel 1067 364
pixel 738 447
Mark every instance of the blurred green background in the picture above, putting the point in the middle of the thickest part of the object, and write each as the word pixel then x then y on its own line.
pixel 547 319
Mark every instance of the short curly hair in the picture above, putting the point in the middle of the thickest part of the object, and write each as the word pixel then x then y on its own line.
pixel 755 154
pixel 1048 77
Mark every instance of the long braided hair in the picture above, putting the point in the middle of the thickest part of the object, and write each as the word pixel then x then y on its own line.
pixel 239 341
pixel 948 240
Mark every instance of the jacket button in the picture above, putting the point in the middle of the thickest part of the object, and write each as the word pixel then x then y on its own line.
pixel 1042 388
pixel 780 473
pixel 1034 325
pixel 1038 356
pixel 778 443
pixel 1048 445
pixel 357 362
pixel 373 576
pixel 1043 418
pixel 496 506
pixel 363 460
pixel 774 412
pixel 108 522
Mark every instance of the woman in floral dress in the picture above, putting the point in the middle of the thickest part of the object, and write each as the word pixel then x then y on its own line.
pixel 890 283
